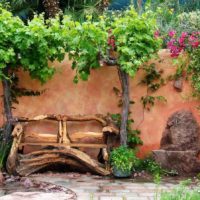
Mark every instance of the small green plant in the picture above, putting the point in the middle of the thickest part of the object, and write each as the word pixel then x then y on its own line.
pixel 133 135
pixel 123 159
pixel 182 192
pixel 149 165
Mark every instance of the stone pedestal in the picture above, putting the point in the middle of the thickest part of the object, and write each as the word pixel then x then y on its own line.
pixel 182 161
pixel 180 144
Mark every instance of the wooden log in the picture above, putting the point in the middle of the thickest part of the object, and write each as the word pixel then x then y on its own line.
pixel 45 157
pixel 27 170
pixel 97 137
pixel 40 137
pixel 98 146
pixel 110 129
pixel 12 157
pixel 99 118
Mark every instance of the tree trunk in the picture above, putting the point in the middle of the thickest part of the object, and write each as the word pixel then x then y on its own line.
pixel 51 7
pixel 125 106
pixel 7 107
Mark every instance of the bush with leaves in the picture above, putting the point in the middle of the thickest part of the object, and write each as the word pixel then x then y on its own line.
pixel 30 46
pixel 86 41
pixel 123 159
pixel 134 39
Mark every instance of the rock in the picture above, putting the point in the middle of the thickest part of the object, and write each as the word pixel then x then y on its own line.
pixel 37 196
pixel 181 133
pixel 27 183
pixel 181 161
pixel 180 144
pixel 178 84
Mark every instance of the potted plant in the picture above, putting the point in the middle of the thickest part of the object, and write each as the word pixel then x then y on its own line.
pixel 122 161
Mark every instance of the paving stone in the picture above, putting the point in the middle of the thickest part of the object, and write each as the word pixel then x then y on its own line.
pixel 128 194
pixel 112 187
pixel 2 192
pixel 36 196
pixel 112 198
pixel 137 198
pixel 147 194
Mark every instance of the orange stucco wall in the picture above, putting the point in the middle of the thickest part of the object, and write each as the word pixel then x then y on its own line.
pixel 62 96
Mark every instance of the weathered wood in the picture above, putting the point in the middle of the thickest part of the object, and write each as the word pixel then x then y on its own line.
pixel 52 138
pixel 60 130
pixel 63 145
pixel 40 137
pixel 105 154
pixel 105 157
pixel 45 157
pixel 63 148
pixel 12 158
pixel 27 170
pixel 125 106
pixel 79 136
pixel 65 138
pixel 99 118
pixel 110 129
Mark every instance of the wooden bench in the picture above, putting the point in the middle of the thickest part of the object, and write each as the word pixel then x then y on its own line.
pixel 61 147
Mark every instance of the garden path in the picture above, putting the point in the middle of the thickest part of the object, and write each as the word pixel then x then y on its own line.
pixel 90 187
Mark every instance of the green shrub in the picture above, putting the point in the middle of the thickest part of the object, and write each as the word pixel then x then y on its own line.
pixel 123 158
pixel 149 165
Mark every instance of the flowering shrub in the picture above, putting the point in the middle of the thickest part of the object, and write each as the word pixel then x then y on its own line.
pixel 189 42
pixel 186 41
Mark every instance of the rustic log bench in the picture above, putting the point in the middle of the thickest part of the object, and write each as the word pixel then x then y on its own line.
pixel 60 147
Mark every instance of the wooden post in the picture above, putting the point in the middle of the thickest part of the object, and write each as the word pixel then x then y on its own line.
pixel 12 158
pixel 60 130
pixel 65 133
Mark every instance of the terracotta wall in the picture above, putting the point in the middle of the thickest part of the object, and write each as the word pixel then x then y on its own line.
pixel 62 96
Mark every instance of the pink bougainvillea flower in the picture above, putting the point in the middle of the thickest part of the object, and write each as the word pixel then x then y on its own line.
pixel 195 44
pixel 171 43
pixel 175 51
pixel 181 41
pixel 192 38
pixel 178 44
pixel 184 34
pixel 172 33
pixel 156 34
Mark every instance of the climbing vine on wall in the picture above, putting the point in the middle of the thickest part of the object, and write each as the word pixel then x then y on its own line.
pixel 153 80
